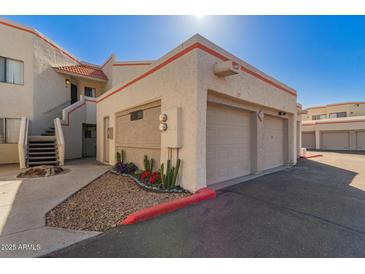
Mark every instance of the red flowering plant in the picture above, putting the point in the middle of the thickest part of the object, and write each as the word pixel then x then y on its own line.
pixel 153 178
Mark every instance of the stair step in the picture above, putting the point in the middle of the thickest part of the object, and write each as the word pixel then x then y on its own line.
pixel 41 138
pixel 42 153
pixel 34 158
pixel 50 144
pixel 30 163
pixel 38 149
pixel 48 134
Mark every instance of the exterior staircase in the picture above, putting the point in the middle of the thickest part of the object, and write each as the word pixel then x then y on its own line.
pixel 42 150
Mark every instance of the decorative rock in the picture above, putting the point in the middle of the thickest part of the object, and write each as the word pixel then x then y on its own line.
pixel 41 171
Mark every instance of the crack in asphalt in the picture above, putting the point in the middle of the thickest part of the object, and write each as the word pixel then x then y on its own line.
pixel 295 211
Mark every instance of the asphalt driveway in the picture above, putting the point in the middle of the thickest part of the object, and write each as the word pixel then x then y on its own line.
pixel 316 209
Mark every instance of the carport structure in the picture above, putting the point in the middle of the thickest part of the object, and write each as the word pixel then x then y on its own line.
pixel 225 119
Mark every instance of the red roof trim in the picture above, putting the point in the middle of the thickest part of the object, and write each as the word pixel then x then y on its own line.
pixel 130 64
pixel 182 53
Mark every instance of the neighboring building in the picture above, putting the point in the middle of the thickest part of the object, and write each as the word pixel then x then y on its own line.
pixel 226 120
pixel 334 127
pixel 331 111
pixel 41 81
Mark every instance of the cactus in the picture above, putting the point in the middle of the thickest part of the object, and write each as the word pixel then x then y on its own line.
pixel 168 179
pixel 119 157
pixel 148 164
pixel 176 171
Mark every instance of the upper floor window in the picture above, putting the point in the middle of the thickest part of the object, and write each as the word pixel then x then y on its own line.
pixel 9 130
pixel 319 117
pixel 338 114
pixel 90 92
pixel 11 71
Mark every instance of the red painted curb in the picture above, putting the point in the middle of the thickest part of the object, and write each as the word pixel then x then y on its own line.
pixel 311 156
pixel 148 213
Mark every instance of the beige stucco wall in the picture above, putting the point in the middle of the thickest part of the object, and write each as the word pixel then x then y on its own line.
pixel 50 89
pixel 126 72
pixel 82 112
pixel 174 85
pixel 17 100
pixel 9 153
pixel 351 109
pixel 185 83
pixel 82 83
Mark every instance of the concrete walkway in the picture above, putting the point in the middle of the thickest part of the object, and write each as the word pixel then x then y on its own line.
pixel 24 203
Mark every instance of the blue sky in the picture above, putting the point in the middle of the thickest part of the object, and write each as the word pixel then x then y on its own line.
pixel 322 57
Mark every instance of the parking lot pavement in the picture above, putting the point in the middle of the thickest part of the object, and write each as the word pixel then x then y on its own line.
pixel 315 209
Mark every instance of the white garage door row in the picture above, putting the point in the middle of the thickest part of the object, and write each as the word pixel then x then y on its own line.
pixel 229 143
pixel 335 140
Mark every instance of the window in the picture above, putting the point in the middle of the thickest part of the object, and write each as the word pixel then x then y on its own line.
pixel 137 115
pixel 11 71
pixel 338 114
pixel 319 117
pixel 90 92
pixel 9 130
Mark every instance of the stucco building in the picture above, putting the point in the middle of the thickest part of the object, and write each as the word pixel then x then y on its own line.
pixel 226 120
pixel 41 81
pixel 338 126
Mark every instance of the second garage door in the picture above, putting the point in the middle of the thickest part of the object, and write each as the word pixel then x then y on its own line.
pixel 337 140
pixel 228 143
pixel 273 144
pixel 309 140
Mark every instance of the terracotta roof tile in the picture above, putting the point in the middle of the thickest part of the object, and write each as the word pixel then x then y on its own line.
pixel 84 70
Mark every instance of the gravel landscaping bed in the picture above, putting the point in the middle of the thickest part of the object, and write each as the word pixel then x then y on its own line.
pixel 104 202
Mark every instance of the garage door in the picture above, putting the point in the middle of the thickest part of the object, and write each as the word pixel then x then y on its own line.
pixel 273 143
pixel 137 133
pixel 360 140
pixel 337 140
pixel 228 143
pixel 309 140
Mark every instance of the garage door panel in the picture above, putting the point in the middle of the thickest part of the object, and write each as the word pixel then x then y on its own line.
pixel 273 143
pixel 360 140
pixel 335 140
pixel 309 140
pixel 228 143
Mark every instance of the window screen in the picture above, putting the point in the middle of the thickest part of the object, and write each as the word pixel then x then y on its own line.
pixel 14 71
pixel 12 127
pixel 2 69
pixel 90 92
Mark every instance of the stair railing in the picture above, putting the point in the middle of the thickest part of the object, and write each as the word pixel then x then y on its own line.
pixel 60 141
pixel 23 142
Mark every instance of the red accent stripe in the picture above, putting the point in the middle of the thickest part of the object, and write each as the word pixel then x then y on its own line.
pixel 151 212
pixel 131 64
pixel 311 156
pixel 69 113
pixel 43 38
pixel 182 53
pixel 334 122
